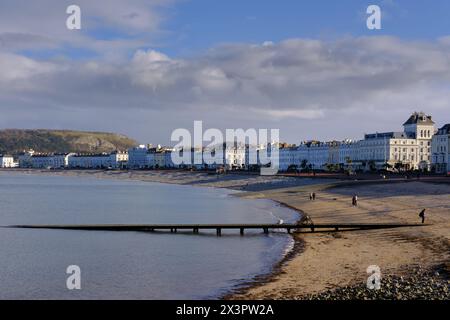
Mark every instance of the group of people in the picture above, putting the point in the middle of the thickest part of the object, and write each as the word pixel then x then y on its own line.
pixel 312 196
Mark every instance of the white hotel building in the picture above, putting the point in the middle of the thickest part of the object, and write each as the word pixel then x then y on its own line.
pixel 54 161
pixel 409 149
pixel 98 161
pixel 441 150
pixel 348 152
pixel 288 157
pixel 147 157
pixel 7 161
pixel 25 159
pixel 141 157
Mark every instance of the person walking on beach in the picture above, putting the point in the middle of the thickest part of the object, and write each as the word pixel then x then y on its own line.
pixel 422 215
pixel 310 196
pixel 355 200
pixel 314 196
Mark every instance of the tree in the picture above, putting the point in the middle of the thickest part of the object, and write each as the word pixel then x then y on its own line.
pixel 387 166
pixel 349 163
pixel 398 166
pixel 372 165
pixel 304 164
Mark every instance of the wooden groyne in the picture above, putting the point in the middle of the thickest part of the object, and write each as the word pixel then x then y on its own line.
pixel 196 228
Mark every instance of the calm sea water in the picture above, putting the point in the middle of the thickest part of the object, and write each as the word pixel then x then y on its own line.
pixel 129 265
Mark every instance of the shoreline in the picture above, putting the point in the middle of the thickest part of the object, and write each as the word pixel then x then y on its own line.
pixel 274 270
pixel 342 256
pixel 277 268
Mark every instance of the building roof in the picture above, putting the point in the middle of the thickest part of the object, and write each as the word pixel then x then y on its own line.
pixel 445 129
pixel 419 118
pixel 91 155
pixel 388 135
pixel 43 155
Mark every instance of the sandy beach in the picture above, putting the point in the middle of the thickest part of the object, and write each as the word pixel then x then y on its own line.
pixel 337 259
pixel 331 260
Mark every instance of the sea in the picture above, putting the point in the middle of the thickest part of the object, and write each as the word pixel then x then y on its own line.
pixel 35 263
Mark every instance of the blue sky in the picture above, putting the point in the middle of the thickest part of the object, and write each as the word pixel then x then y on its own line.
pixel 305 67
pixel 199 24
pixel 195 25
pixel 190 27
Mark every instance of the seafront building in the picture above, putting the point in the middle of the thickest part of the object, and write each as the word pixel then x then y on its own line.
pixel 225 156
pixel 163 158
pixel 53 160
pixel 417 147
pixel 7 161
pixel 25 158
pixel 112 160
pixel 348 152
pixel 119 159
pixel 89 161
pixel 441 150
pixel 141 157
pixel 409 149
pixel 148 157
pixel 288 157
pixel 234 156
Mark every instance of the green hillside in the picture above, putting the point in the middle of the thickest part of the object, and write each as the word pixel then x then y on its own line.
pixel 13 141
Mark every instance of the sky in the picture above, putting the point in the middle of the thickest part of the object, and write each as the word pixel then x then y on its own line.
pixel 144 68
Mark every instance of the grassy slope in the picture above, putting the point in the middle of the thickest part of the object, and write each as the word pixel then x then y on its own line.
pixel 16 140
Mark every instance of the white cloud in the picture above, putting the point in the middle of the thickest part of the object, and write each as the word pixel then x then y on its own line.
pixel 106 26
pixel 356 81
pixel 305 114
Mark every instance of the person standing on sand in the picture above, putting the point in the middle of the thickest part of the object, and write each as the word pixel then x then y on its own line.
pixel 355 200
pixel 422 215
pixel 314 196
pixel 310 196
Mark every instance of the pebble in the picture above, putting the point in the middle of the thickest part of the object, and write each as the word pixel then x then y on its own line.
pixel 419 284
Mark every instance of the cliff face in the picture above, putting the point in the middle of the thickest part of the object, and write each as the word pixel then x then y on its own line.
pixel 13 141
